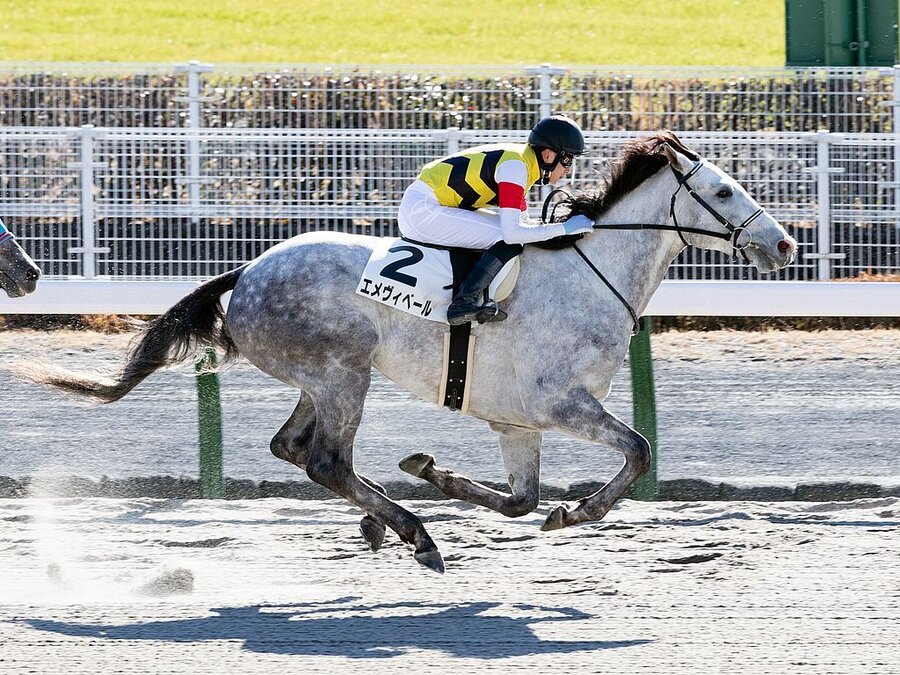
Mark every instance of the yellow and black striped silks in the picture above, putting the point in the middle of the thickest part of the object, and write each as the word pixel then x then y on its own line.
pixel 466 180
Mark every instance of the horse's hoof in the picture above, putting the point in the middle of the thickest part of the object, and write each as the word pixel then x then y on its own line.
pixel 416 464
pixel 556 519
pixel 372 531
pixel 432 560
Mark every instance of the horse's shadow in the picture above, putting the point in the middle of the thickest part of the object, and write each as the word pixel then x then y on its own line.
pixel 344 628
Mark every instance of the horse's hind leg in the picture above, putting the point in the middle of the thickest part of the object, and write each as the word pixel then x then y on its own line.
pixel 521 451
pixel 292 444
pixel 339 408
pixel 292 441
pixel 583 416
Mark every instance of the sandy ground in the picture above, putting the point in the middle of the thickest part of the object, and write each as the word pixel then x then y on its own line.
pixel 878 345
pixel 274 585
pixel 265 586
pixel 774 408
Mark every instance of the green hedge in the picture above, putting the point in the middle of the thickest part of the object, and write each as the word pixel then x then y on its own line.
pixel 789 100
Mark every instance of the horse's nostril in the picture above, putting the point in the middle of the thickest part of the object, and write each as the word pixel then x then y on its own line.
pixel 785 246
pixel 33 274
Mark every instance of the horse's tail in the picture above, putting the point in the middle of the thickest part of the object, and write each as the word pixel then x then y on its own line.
pixel 195 321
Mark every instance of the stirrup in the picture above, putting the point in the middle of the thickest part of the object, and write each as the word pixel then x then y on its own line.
pixel 466 313
pixel 489 312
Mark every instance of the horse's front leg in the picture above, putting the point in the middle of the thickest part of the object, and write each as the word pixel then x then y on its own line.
pixel 521 450
pixel 580 414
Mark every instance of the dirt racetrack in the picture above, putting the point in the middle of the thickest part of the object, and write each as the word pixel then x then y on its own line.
pixel 778 408
pixel 273 585
pixel 141 585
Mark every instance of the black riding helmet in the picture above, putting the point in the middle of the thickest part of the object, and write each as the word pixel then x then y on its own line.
pixel 560 134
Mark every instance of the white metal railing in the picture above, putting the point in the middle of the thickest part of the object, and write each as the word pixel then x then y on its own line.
pixel 185 203
pixel 673 298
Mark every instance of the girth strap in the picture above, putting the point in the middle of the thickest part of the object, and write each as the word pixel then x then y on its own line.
pixel 459 342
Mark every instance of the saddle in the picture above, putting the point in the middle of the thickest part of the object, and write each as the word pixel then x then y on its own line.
pixel 421 279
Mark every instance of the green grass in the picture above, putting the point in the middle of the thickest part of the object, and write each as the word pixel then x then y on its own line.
pixel 629 32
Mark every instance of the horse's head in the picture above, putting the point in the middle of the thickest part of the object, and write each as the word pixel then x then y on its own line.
pixel 708 199
pixel 18 272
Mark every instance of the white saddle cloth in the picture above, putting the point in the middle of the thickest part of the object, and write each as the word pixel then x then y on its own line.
pixel 418 279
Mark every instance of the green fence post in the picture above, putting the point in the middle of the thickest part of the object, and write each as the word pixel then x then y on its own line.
pixel 209 409
pixel 644 402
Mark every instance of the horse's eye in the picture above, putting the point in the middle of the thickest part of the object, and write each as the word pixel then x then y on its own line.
pixel 724 193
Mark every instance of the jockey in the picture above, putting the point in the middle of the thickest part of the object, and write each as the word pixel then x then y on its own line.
pixel 446 205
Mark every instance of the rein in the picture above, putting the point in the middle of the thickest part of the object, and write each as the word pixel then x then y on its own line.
pixel 731 236
pixel 634 316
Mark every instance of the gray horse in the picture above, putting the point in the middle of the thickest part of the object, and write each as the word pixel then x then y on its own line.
pixel 18 272
pixel 294 314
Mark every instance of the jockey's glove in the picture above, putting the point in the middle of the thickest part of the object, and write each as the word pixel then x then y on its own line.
pixel 579 224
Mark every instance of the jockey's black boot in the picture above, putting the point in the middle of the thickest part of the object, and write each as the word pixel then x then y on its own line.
pixel 466 305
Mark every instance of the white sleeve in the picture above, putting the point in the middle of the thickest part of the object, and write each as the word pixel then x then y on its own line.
pixel 519 229
pixel 515 226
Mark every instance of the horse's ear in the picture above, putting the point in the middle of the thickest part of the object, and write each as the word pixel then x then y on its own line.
pixel 676 159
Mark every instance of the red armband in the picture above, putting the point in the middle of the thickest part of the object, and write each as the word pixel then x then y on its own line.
pixel 511 196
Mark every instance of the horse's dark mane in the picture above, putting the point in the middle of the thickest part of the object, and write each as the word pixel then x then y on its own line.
pixel 638 160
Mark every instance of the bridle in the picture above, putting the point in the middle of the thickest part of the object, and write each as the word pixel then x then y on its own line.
pixel 734 231
pixel 732 234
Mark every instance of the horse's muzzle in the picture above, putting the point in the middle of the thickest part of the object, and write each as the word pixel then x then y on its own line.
pixel 18 284
pixel 774 254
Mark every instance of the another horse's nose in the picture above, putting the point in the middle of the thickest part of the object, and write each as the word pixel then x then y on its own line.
pixel 786 246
